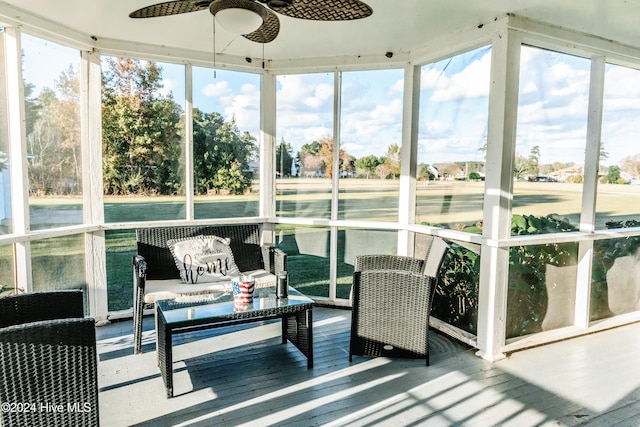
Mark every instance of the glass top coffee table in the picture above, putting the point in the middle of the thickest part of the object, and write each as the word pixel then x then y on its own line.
pixel 198 312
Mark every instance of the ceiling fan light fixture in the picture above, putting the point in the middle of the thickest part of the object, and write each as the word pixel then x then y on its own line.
pixel 239 20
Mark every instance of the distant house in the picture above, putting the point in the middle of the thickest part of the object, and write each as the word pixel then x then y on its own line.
pixel 449 171
pixel 563 175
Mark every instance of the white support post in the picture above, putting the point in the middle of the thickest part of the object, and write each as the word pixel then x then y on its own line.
pixel 268 154
pixel 188 144
pixel 409 158
pixel 501 136
pixel 14 91
pixel 589 192
pixel 335 183
pixel 92 187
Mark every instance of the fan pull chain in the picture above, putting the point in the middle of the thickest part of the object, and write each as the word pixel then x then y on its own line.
pixel 263 56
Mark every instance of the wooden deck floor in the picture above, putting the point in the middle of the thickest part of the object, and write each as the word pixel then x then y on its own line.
pixel 244 376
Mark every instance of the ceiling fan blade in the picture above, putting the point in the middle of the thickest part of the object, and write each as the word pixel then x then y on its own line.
pixel 270 27
pixel 326 10
pixel 170 8
pixel 268 31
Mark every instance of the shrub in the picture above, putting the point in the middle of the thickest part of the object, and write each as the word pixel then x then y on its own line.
pixel 474 176
pixel 605 253
pixel 456 300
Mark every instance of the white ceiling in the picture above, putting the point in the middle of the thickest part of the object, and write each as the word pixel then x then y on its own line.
pixel 399 26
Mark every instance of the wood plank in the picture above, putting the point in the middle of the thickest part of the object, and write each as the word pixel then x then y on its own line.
pixel 243 375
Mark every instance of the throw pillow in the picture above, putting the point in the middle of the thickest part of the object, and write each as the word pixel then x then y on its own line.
pixel 203 259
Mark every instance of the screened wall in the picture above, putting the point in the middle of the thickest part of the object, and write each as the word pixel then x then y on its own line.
pixel 515 148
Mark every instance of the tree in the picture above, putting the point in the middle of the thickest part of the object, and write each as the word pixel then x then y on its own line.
pixel 221 154
pixel 383 171
pixel 392 160
pixel 534 160
pixel 284 159
pixel 42 142
pixel 53 121
pixel 31 107
pixel 347 164
pixel 631 166
pixel 311 165
pixel 520 167
pixel 205 160
pixel 312 148
pixel 325 153
pixel 68 119
pixel 367 165
pixel 613 174
pixel 603 154
pixel 142 144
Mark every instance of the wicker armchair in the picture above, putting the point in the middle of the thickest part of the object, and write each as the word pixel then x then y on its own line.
pixel 391 299
pixel 429 266
pixel 390 314
pixel 33 307
pixel 47 357
pixel 388 262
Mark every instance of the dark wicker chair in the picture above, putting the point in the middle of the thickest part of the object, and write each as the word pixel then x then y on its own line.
pixel 154 262
pixel 430 265
pixel 47 357
pixel 33 307
pixel 388 262
pixel 390 314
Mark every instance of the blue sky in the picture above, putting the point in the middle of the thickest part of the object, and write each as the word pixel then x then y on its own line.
pixel 453 115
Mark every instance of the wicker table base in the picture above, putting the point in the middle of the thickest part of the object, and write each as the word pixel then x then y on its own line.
pixel 213 311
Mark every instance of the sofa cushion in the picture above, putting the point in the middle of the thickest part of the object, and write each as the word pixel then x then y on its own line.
pixel 156 290
pixel 203 259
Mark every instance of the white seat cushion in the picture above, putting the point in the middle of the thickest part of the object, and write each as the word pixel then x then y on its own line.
pixel 156 290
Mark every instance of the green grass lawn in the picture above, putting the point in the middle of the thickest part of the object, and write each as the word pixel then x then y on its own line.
pixel 59 262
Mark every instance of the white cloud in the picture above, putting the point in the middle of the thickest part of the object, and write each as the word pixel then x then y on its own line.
pixel 298 136
pixel 398 87
pixel 321 95
pixel 552 112
pixel 528 88
pixel 305 108
pixel 372 131
pixel 450 149
pixel 470 82
pixel 295 119
pixel 622 89
pixel 245 107
pixel 621 116
pixel 242 104
pixel 304 91
pixel 217 89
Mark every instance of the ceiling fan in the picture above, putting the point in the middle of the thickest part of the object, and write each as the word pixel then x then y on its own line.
pixel 265 10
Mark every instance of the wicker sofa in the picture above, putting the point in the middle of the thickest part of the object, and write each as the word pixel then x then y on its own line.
pixel 47 357
pixel 156 276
